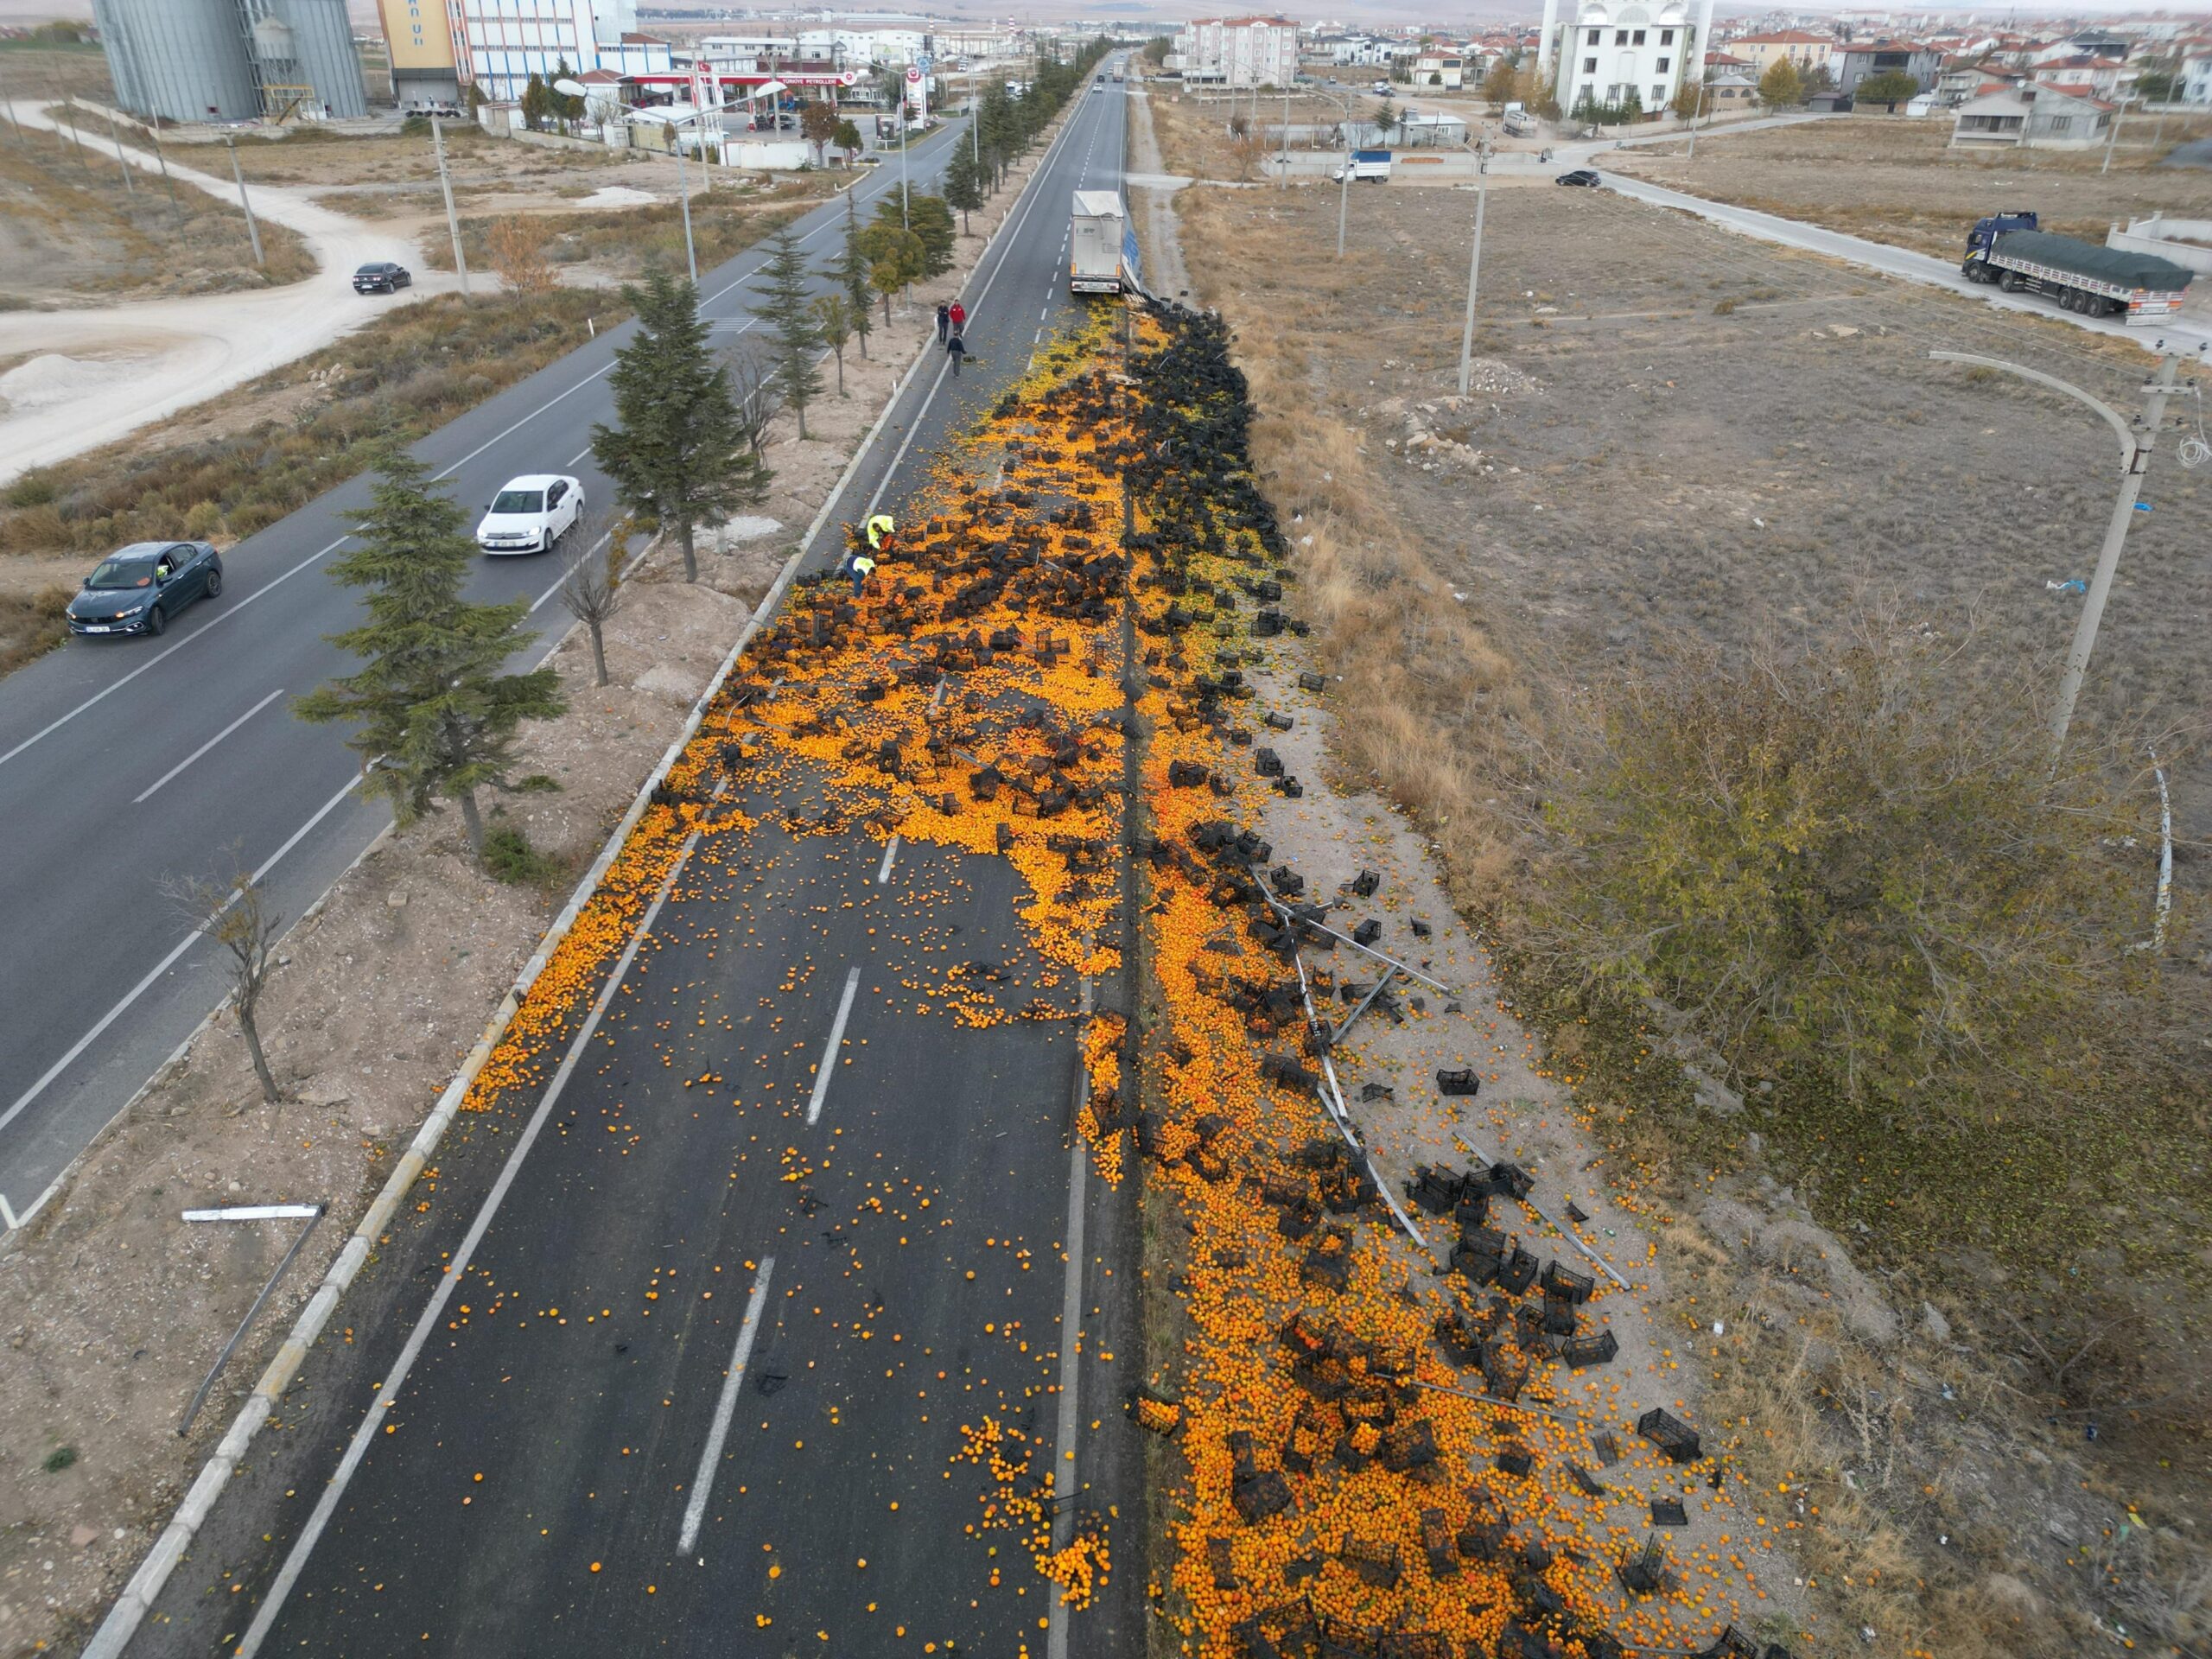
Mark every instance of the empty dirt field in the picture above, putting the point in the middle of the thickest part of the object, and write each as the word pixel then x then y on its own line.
pixel 70 230
pixel 1897 180
pixel 1681 440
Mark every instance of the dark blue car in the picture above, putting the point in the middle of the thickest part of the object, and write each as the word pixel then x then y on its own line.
pixel 140 589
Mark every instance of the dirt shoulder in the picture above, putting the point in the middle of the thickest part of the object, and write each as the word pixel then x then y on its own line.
pixel 117 1306
pixel 1897 180
pixel 1675 433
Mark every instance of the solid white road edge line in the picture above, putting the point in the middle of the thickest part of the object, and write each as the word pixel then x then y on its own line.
pixel 272 1602
pixel 822 1072
pixel 221 617
pixel 890 857
pixel 1064 1480
pixel 695 1512
pixel 139 799
pixel 159 969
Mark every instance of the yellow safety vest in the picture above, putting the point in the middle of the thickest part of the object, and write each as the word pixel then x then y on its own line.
pixel 863 565
pixel 879 527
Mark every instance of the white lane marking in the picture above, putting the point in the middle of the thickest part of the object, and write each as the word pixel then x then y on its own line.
pixel 836 1039
pixel 695 1512
pixel 221 617
pixel 272 1604
pixel 159 969
pixel 138 799
pixel 510 431
pixel 1064 1480
pixel 890 857
pixel 580 454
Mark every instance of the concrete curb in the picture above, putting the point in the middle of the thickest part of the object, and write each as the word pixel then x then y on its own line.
pixel 145 1586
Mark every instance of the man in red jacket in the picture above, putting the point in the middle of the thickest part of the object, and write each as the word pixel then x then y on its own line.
pixel 958 315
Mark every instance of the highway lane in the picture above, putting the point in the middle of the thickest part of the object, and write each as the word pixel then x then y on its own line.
pixel 102 981
pixel 884 1250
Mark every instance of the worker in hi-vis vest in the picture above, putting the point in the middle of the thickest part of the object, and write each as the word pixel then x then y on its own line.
pixel 861 566
pixel 880 529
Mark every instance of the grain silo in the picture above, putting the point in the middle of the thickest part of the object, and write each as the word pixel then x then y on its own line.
pixel 184 60
pixel 303 57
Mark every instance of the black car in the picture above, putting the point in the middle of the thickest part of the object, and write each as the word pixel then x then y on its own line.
pixel 137 589
pixel 1581 176
pixel 382 277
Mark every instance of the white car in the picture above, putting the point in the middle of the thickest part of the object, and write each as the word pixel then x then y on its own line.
pixel 530 513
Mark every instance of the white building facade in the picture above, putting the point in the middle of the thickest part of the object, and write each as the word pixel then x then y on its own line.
pixel 1240 51
pixel 1613 50
pixel 500 44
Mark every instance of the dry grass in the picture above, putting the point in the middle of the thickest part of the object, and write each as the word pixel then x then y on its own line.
pixel 622 242
pixel 31 625
pixel 69 228
pixel 1691 435
pixel 1897 180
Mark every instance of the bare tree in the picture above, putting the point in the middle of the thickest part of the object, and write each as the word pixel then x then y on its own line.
pixel 234 915
pixel 757 390
pixel 592 590
pixel 519 255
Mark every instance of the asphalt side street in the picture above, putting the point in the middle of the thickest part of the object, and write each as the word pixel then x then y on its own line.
pixel 758 1311
pixel 124 763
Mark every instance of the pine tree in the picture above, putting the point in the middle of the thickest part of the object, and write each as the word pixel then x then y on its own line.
pixel 930 220
pixel 536 104
pixel 678 459
pixel 963 184
pixel 435 717
pixel 788 310
pixel 850 270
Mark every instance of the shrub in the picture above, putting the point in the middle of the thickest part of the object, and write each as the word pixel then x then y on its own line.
pixel 33 489
pixel 509 857
pixel 205 521
pixel 62 1457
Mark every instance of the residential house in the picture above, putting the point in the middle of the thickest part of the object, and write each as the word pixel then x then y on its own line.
pixel 1857 61
pixel 1439 67
pixel 2107 78
pixel 1797 48
pixel 1615 49
pixel 2033 116
pixel 2195 85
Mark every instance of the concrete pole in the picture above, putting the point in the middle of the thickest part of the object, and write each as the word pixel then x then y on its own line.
pixel 1474 275
pixel 2112 135
pixel 1696 110
pixel 116 138
pixel 905 141
pixel 684 189
pixel 161 155
pixel 2144 443
pixel 252 230
pixel 453 220
pixel 1283 183
pixel 69 103
pixel 1343 185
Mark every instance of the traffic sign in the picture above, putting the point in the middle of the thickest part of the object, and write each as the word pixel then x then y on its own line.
pixel 913 75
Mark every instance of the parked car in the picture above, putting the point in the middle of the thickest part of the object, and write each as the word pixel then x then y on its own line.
pixel 382 277
pixel 1581 176
pixel 138 588
pixel 531 514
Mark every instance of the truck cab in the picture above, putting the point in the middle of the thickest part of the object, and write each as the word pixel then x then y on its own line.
pixel 1986 230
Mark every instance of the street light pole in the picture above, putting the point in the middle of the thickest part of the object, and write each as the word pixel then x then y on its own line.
pixel 252 230
pixel 453 220
pixel 1344 181
pixel 2137 444
pixel 1696 110
pixel 2112 134
pixel 116 138
pixel 1474 274
pixel 684 189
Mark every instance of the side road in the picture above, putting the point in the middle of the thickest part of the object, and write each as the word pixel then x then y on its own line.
pixel 119 1308
pixel 179 352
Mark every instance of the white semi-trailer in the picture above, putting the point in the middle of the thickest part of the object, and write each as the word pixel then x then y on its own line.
pixel 1095 243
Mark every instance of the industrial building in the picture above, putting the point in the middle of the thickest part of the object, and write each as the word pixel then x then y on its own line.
pixel 231 60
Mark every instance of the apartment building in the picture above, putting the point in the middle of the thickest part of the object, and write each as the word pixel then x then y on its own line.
pixel 1240 51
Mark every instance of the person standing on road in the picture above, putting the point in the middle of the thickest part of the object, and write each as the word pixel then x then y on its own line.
pixel 944 322
pixel 955 348
pixel 957 314
pixel 862 566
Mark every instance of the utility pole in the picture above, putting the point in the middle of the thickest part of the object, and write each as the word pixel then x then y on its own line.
pixel 1344 182
pixel 1696 110
pixel 684 189
pixel 2112 134
pixel 2138 443
pixel 1283 183
pixel 116 138
pixel 154 132
pixel 1474 275
pixel 69 104
pixel 453 220
pixel 252 230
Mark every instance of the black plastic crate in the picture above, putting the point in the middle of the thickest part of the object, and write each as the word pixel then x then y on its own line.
pixel 1566 1285
pixel 1460 1082
pixel 1517 1272
pixel 1670 1434
pixel 1597 1350
pixel 1669 1512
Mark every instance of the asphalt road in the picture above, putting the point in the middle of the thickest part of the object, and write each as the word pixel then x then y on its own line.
pixel 127 763
pixel 726 1296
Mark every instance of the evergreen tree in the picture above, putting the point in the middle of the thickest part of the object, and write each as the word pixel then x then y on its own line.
pixel 850 270
pixel 678 459
pixel 788 310
pixel 833 320
pixel 847 138
pixel 963 184
pixel 434 713
pixel 536 104
pixel 930 220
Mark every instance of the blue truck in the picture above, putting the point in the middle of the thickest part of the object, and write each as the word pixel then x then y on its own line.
pixel 2011 252
pixel 1365 164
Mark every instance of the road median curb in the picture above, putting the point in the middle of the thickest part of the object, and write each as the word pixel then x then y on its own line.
pixel 144 1586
